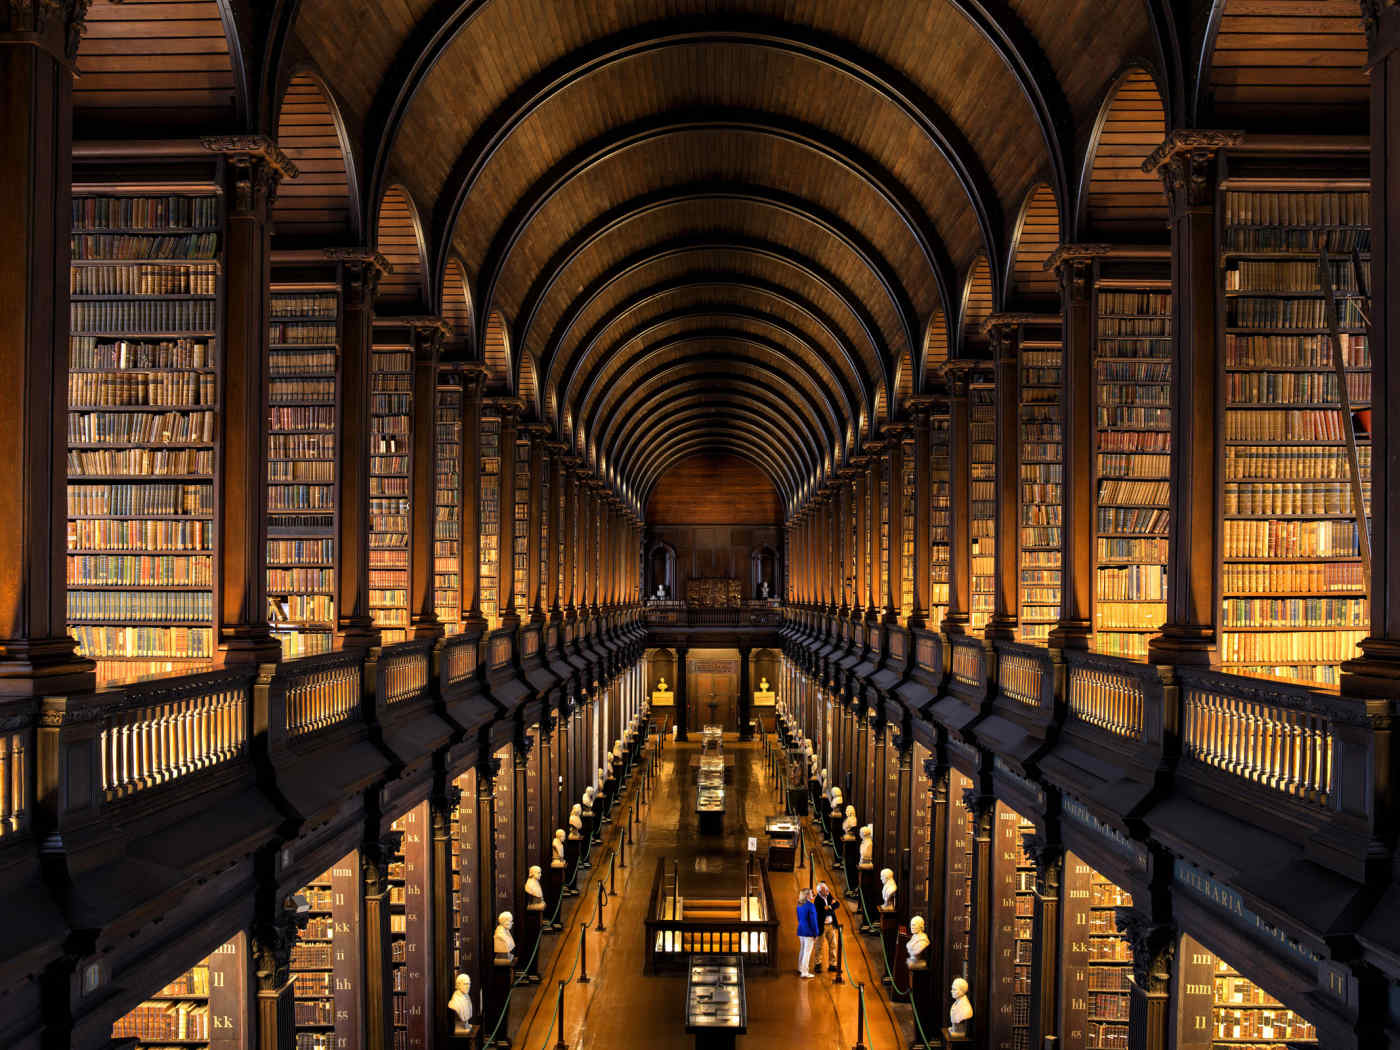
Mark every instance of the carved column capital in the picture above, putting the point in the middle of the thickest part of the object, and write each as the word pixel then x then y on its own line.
pixel 376 856
pixel 1153 945
pixel 363 269
pixel 1185 161
pixel 272 940
pixel 257 166
pixel 55 25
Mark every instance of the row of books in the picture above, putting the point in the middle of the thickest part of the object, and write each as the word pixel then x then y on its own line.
pixel 301 362
pixel 1298 208
pixel 302 417
pixel 1131 583
pixel 1135 303
pixel 1290 647
pixel 88 353
pixel 1244 312
pixel 1294 351
pixel 1290 539
pixel 1291 578
pixel 140 428
pixel 1272 275
pixel 301 446
pixel 1144 371
pixel 1306 499
pixel 142 315
pixel 318 305
pixel 1261 388
pixel 1293 240
pixel 170 211
pixel 1116 492
pixel 1292 462
pixel 1136 465
pixel 194 279
pixel 150 570
pixel 97 534
pixel 300 497
pixel 169 389
pixel 135 247
pixel 1134 416
pixel 391 485
pixel 1134 393
pixel 156 1021
pixel 300 552
pixel 300 579
pixel 1146 521
pixel 301 333
pixel 1295 612
pixel 1113 327
pixel 318 390
pixel 389 433
pixel 302 608
pixel 194 643
pixel 123 500
pixel 1291 424
pixel 136 607
pixel 322 470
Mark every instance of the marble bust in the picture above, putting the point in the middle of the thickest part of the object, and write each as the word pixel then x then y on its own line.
pixel 918 940
pixel 850 824
pixel 763 589
pixel 533 889
pixel 867 844
pixel 576 817
pixel 835 799
pixel 961 1011
pixel 588 795
pixel 825 780
pixel 503 940
pixel 661 686
pixel 763 684
pixel 888 888
pixel 461 1002
pixel 558 848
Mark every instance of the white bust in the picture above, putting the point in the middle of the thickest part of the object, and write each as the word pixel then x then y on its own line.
pixel 888 888
pixel 835 799
pixel 661 685
pixel 961 1011
pixel 461 1001
pixel 826 783
pixel 558 847
pixel 588 795
pixel 763 680
pixel 918 940
pixel 867 844
pixel 617 749
pixel 576 817
pixel 504 941
pixel 533 889
pixel 849 825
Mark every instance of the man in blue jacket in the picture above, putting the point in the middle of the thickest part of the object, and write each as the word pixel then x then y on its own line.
pixel 807 931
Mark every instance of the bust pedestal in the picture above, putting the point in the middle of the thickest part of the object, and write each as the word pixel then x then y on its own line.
pixel 831 820
pixel 573 850
pixel 955 1039
pixel 921 993
pixel 889 934
pixel 554 886
pixel 530 927
pixel 498 979
pixel 609 797
pixel 869 895
pixel 590 831
pixel 464 1036
pixel 850 856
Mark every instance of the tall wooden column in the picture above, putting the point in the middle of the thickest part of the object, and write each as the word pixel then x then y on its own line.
pixel 1006 599
pixel 980 939
pixel 537 577
pixel 1376 673
pixel 682 699
pixel 553 562
pixel 379 976
pixel 568 525
pixel 1049 860
pixel 427 346
pixel 1074 264
pixel 1153 947
pixel 745 693
pixel 874 599
pixel 271 937
pixel 38 44
pixel 894 464
pixel 956 619
pixel 1188 164
pixel 361 269
pixel 505 566
pixel 473 380
pixel 923 468
pixel 254 168
pixel 936 921
pixel 444 799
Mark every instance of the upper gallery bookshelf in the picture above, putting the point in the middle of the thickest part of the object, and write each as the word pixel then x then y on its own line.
pixel 391 444
pixel 489 518
pixel 939 498
pixel 1042 483
pixel 982 395
pixel 1132 383
pixel 302 459
pixel 447 522
pixel 202 1009
pixel 1293 588
pixel 143 397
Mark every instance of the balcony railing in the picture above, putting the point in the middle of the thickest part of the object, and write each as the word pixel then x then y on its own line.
pixel 679 614
pixel 320 691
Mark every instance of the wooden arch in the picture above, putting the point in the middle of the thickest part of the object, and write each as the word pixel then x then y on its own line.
pixel 496 355
pixel 1037 235
pixel 323 202
pixel 903 385
pixel 1118 201
pixel 935 349
pixel 399 238
pixel 977 303
pixel 528 385
pixel 455 303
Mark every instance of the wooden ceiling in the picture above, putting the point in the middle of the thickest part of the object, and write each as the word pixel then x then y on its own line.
pixel 684 226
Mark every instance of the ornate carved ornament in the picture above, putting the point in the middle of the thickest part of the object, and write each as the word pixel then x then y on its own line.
pixel 34 20
pixel 1153 945
pixel 1043 853
pixel 1190 141
pixel 1077 253
pixel 272 943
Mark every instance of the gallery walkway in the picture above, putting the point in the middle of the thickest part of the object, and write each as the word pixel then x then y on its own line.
pixel 621 1007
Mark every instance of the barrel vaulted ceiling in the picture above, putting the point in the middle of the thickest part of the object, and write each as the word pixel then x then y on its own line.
pixel 695 225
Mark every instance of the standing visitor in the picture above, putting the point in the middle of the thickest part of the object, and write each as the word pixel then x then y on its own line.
pixel 826 905
pixel 807 929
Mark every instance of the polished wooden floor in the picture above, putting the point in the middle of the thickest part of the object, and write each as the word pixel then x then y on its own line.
pixel 621 1007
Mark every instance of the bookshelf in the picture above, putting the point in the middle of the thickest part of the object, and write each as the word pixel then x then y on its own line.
pixel 1110 962
pixel 143 397
pixel 1132 382
pixel 1041 416
pixel 1225 1011
pixel 545 537
pixel 391 442
pixel 447 512
pixel 520 534
pixel 408 929
pixel 202 1009
pixel 882 574
pixel 325 961
pixel 983 521
pixel 908 497
pixel 940 511
pixel 1293 589
pixel 302 457
pixel 490 516
pixel 1013 905
pixel 466 875
pixel 959 884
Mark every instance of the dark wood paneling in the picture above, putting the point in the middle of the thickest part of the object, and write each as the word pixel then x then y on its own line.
pixel 317 203
pixel 1037 235
pixel 714 490
pixel 1124 202
pixel 399 237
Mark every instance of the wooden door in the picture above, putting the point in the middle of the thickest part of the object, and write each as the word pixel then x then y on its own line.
pixel 725 690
